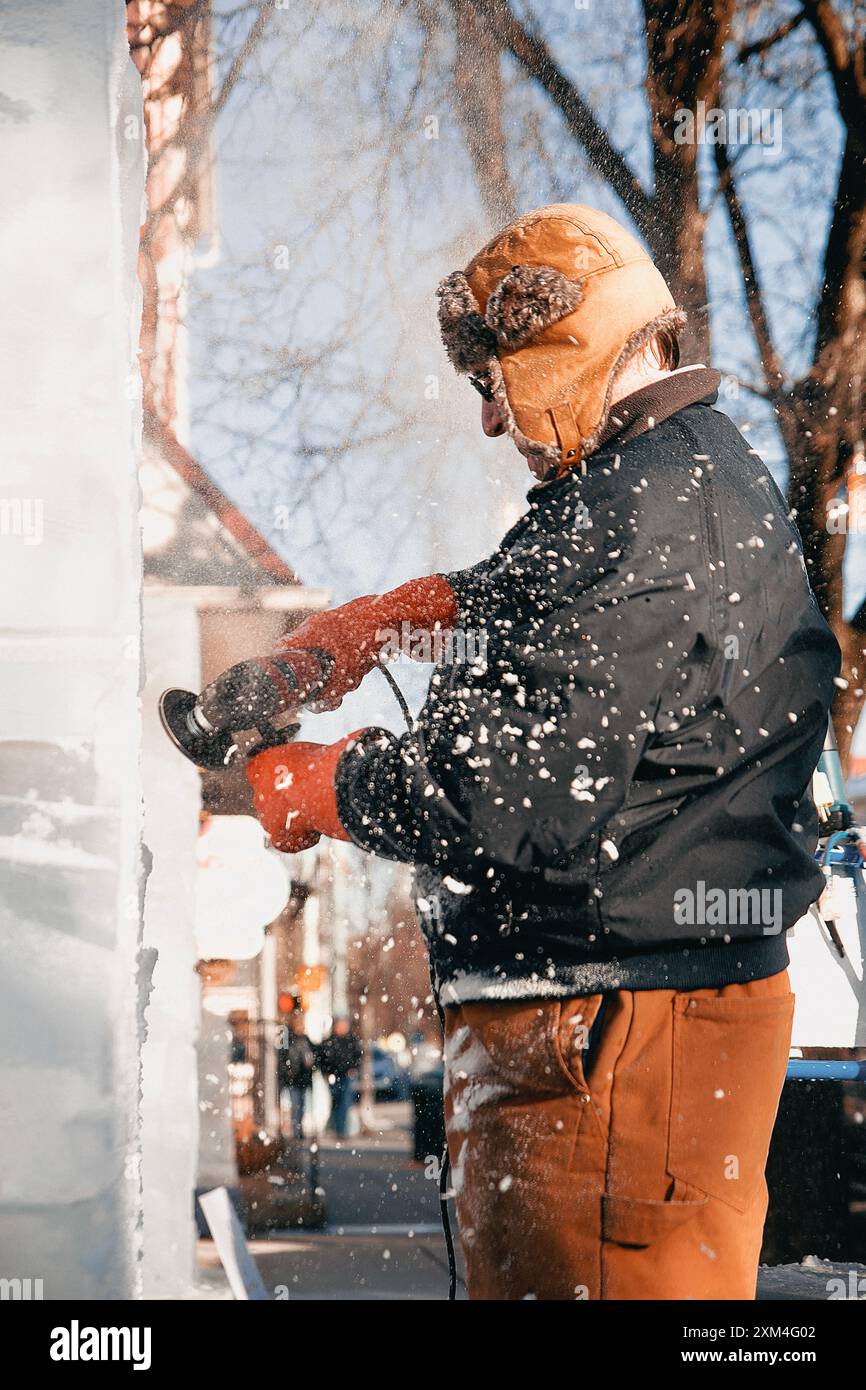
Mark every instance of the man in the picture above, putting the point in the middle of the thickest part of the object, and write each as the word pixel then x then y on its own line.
pixel 610 814
pixel 296 1062
pixel 339 1056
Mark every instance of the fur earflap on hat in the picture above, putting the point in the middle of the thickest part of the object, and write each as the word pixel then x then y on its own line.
pixel 468 341
pixel 527 300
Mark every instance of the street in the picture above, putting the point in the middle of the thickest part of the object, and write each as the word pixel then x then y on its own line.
pixel 383 1239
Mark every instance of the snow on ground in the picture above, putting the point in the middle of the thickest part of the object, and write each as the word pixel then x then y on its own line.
pixel 813 1280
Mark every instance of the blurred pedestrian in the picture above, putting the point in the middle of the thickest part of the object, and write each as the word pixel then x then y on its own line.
pixel 339 1058
pixel 296 1063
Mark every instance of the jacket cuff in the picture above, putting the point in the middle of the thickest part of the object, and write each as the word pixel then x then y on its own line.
pixel 460 582
pixel 472 590
pixel 354 784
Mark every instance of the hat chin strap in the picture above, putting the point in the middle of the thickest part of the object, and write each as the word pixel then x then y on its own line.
pixel 545 460
pixel 572 447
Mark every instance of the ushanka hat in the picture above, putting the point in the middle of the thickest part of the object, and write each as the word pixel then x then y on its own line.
pixel 545 317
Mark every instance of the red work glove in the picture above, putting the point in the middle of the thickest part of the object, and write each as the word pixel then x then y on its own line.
pixel 353 635
pixel 294 794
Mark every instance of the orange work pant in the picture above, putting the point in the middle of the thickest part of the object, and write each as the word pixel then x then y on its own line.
pixel 639 1177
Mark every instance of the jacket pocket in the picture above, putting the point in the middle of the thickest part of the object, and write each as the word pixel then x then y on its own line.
pixel 729 1060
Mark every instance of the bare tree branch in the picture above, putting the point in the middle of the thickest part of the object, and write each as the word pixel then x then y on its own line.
pixel 762 46
pixel 535 57
pixel 770 363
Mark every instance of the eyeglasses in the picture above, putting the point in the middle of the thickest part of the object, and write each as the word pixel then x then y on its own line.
pixel 482 388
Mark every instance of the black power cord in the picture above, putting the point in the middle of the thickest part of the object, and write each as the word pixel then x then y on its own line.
pixel 400 698
pixel 445 1173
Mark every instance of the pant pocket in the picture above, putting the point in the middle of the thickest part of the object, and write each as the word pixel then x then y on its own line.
pixel 638 1222
pixel 575 1034
pixel 507 1046
pixel 730 1052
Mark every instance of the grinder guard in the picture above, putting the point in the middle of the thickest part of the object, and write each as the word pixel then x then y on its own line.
pixel 251 706
pixel 218 750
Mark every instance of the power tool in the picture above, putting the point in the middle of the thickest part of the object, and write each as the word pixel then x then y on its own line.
pixel 251 706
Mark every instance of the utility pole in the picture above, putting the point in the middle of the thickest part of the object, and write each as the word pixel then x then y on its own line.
pixel 269 1040
pixel 367 1089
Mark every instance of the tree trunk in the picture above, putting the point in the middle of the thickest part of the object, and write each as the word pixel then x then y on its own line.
pixel 684 42
pixel 478 91
pixel 824 427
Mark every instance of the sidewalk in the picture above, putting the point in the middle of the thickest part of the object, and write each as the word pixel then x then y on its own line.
pixel 383 1238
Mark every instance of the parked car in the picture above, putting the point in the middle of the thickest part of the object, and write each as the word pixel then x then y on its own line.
pixel 390 1080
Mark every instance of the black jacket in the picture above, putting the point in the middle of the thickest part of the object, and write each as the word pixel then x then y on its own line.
pixel 297 1061
pixel 338 1055
pixel 586 806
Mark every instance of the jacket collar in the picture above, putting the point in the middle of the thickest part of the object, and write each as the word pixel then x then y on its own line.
pixel 648 407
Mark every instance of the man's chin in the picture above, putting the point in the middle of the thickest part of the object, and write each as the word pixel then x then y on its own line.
pixel 541 468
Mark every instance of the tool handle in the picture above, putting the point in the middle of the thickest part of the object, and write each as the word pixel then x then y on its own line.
pixel 253 694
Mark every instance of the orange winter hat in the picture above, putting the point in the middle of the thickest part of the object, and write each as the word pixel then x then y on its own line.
pixel 546 316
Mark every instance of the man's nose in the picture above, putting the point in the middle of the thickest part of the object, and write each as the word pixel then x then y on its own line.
pixel 491 421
